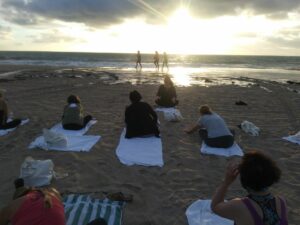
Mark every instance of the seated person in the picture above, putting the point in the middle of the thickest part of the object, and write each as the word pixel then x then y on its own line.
pixel 4 116
pixel 166 95
pixel 34 207
pixel 140 118
pixel 213 129
pixel 257 173
pixel 72 118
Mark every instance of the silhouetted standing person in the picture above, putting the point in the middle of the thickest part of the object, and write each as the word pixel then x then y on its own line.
pixel 138 60
pixel 156 60
pixel 165 62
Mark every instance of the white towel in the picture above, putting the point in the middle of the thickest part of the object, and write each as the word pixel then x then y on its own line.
pixel 164 109
pixel 199 213
pixel 75 143
pixel 5 132
pixel 170 114
pixel 59 129
pixel 292 139
pixel 140 151
pixel 233 150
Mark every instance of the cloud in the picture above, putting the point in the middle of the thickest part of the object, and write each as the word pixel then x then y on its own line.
pixel 4 32
pixel 53 36
pixel 97 13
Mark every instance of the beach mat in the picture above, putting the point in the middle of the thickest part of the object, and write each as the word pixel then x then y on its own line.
pixel 227 152
pixel 75 143
pixel 5 132
pixel 292 139
pixel 199 213
pixel 58 128
pixel 140 151
pixel 82 209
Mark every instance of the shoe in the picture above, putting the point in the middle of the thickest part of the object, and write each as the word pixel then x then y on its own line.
pixel 241 103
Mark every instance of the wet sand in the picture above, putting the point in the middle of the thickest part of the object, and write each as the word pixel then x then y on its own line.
pixel 161 195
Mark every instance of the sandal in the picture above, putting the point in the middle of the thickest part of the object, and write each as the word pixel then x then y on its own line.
pixel 119 196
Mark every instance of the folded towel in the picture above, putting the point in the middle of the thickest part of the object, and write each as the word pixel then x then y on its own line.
pixel 199 213
pixel 5 132
pixel 293 138
pixel 233 150
pixel 75 143
pixel 140 151
pixel 58 128
pixel 82 209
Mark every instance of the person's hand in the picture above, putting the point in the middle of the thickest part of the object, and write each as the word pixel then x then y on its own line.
pixel 231 173
pixel 187 130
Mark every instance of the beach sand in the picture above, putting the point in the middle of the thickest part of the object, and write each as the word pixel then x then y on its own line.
pixel 161 195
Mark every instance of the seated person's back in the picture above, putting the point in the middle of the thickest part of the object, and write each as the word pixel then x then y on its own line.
pixel 140 118
pixel 72 118
pixel 166 95
pixel 35 208
pixel 4 124
pixel 215 125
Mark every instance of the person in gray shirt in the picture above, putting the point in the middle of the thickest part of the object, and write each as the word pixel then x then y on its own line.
pixel 213 129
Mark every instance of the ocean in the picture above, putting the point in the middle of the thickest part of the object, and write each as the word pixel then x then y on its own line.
pixel 276 68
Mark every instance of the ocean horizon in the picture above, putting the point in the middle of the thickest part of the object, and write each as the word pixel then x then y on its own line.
pixel 277 68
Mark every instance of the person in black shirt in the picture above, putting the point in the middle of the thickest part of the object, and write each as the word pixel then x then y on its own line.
pixel 140 118
pixel 166 95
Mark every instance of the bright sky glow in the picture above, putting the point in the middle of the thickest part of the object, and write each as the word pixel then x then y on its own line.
pixel 180 32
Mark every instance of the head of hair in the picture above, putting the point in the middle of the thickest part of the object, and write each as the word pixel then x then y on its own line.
pixel 258 171
pixel 73 99
pixel 135 96
pixel 205 109
pixel 168 81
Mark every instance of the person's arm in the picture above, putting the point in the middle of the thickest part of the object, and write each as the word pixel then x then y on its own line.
pixel 152 113
pixel 5 111
pixel 159 92
pixel 127 113
pixel 191 129
pixel 228 209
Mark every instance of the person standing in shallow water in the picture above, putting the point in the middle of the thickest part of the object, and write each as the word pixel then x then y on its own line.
pixel 165 62
pixel 156 60
pixel 138 60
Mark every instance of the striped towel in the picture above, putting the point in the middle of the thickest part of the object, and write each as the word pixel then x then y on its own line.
pixel 81 209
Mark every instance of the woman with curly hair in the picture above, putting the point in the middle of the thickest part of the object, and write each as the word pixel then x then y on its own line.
pixel 257 173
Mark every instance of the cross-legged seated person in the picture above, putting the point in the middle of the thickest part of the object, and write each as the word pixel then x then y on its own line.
pixel 4 124
pixel 213 129
pixel 72 118
pixel 140 118
pixel 166 95
pixel 260 207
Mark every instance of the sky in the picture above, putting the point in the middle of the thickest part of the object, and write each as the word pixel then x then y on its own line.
pixel 247 27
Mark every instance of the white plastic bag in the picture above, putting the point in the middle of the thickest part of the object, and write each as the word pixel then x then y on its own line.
pixel 37 173
pixel 296 136
pixel 173 116
pixel 250 128
pixel 53 139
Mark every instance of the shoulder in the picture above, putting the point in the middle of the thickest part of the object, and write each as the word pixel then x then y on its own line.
pixel 230 209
